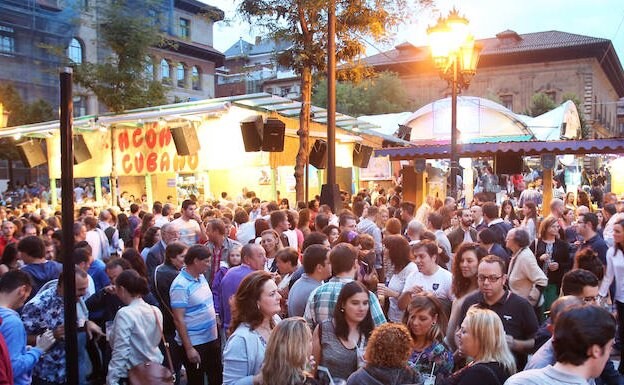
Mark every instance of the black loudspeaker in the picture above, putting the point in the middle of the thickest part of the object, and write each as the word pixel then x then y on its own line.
pixel 273 133
pixel 31 153
pixel 185 139
pixel 361 155
pixel 251 129
pixel 508 163
pixel 318 154
pixel 81 150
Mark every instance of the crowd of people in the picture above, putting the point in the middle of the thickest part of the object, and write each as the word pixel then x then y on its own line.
pixel 379 292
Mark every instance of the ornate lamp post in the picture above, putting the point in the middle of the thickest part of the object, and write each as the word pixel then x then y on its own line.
pixel 455 55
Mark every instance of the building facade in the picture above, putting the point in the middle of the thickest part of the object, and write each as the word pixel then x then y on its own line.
pixel 514 67
pixel 251 68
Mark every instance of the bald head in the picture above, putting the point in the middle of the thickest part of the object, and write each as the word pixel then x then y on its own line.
pixel 563 303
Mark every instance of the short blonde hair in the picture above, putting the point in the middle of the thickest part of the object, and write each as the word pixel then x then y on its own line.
pixel 487 328
pixel 287 352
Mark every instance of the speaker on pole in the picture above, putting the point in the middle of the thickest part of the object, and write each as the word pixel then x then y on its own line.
pixel 361 155
pixel 273 133
pixel 81 150
pixel 185 138
pixel 251 129
pixel 31 153
pixel 318 154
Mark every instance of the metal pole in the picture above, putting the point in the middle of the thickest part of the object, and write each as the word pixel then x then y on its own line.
pixel 67 196
pixel 330 193
pixel 454 158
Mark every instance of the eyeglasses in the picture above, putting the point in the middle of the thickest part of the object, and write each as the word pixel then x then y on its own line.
pixel 591 299
pixel 489 278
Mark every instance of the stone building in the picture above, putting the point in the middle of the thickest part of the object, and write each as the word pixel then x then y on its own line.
pixel 513 67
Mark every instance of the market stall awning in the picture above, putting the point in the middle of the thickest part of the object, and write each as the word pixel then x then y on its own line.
pixel 441 150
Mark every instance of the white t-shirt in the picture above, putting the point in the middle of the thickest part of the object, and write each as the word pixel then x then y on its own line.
pixel 438 283
pixel 397 282
pixel 188 230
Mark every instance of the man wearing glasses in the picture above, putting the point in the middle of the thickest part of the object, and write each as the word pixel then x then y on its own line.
pixel 518 317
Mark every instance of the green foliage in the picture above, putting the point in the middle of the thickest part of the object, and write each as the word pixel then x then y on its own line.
pixel 120 82
pixel 540 104
pixel 379 95
pixel 21 113
pixel 579 107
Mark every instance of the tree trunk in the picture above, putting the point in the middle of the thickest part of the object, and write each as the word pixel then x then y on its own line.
pixel 304 133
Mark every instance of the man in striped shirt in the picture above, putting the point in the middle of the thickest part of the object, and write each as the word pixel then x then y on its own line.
pixel 195 319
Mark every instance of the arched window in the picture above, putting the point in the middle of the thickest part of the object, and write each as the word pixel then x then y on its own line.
pixel 75 51
pixel 165 71
pixel 181 75
pixel 196 78
pixel 149 68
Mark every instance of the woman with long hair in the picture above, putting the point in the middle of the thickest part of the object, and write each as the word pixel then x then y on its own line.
pixel 304 222
pixel 570 199
pixel 529 222
pixel 271 243
pixel 287 355
pixel 137 238
pixel 482 337
pixel 582 199
pixel 464 271
pixel 125 233
pixel 135 260
pixel 615 271
pixel 382 217
pixel 150 238
pixel 508 213
pixel 397 250
pixel 137 328
pixel 553 256
pixel 386 356
pixel 426 321
pixel 254 307
pixel 339 343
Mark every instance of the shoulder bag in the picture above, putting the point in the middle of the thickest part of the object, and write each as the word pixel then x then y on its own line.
pixel 153 373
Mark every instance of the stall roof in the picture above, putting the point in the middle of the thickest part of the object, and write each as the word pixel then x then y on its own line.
pixel 261 102
pixel 534 147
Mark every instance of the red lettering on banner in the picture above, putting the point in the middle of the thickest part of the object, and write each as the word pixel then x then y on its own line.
pixel 150 138
pixel 164 137
pixel 165 162
pixel 126 163
pixel 152 162
pixel 137 137
pixel 139 161
pixel 123 140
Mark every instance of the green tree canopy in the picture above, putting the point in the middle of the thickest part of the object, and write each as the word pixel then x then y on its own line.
pixel 540 104
pixel 120 82
pixel 380 94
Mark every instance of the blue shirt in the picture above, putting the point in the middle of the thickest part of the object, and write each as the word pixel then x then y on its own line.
pixel 229 285
pixel 194 295
pixel 22 360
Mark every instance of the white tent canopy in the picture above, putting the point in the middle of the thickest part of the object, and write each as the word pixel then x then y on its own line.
pixel 560 123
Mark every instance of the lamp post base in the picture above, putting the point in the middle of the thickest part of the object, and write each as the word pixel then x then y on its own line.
pixel 330 195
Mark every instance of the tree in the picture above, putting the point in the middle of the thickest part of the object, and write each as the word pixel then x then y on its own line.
pixel 381 94
pixel 304 23
pixel 579 107
pixel 129 29
pixel 20 113
pixel 540 104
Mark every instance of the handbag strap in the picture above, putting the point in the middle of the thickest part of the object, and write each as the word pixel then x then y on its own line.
pixel 162 301
pixel 165 343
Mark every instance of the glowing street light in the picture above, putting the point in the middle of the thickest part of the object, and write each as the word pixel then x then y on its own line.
pixel 455 54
